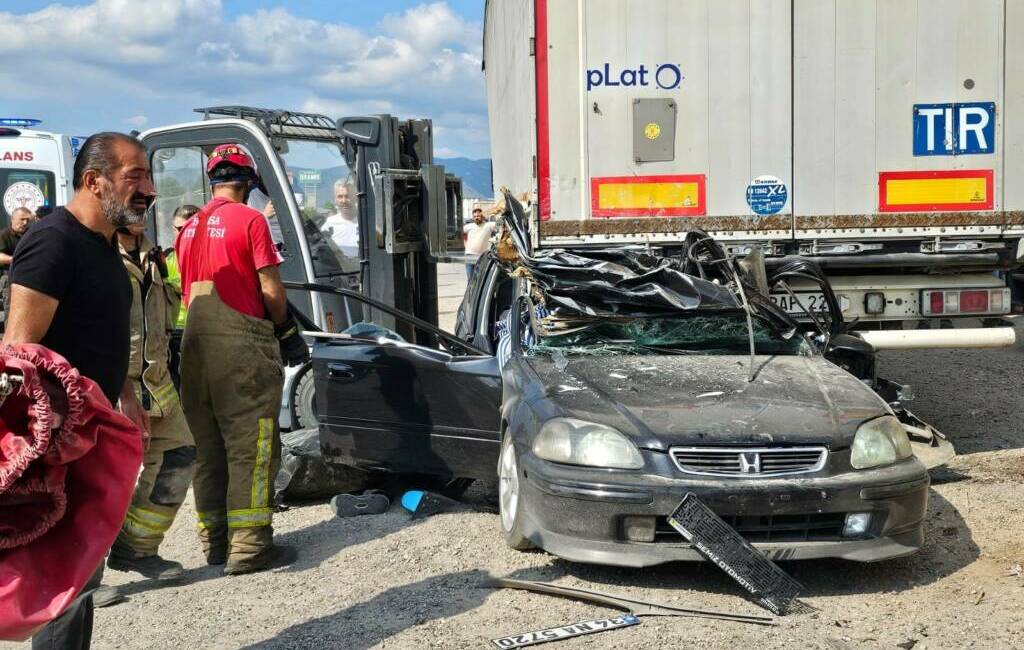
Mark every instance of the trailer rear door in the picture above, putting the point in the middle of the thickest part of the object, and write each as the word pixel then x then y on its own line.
pixel 774 119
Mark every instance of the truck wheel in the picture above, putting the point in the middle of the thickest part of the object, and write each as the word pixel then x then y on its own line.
pixel 304 400
pixel 510 497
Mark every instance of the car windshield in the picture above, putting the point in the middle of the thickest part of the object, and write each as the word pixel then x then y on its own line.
pixel 325 192
pixel 713 334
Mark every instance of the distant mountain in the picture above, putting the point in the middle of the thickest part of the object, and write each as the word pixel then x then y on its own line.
pixel 475 174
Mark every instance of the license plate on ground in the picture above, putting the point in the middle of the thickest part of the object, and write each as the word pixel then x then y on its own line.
pixel 565 632
pixel 812 300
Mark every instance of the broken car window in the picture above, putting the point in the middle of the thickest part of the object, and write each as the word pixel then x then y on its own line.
pixel 713 334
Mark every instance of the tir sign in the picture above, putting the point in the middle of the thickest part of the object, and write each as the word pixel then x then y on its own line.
pixel 954 129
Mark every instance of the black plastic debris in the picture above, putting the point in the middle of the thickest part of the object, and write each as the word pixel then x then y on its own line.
pixel 632 605
pixel 424 504
pixel 772 587
pixel 304 475
pixel 371 502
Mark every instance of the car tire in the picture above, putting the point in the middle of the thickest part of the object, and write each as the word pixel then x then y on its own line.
pixel 303 400
pixel 510 497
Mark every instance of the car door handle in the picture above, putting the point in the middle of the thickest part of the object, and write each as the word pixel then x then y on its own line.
pixel 340 371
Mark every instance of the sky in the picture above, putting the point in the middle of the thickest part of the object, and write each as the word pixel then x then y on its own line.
pixel 84 66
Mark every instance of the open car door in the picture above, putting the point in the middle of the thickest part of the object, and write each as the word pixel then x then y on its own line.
pixel 386 404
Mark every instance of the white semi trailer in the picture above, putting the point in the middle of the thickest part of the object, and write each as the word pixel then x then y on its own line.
pixel 882 138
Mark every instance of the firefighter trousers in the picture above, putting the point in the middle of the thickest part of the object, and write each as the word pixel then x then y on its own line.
pixel 231 382
pixel 167 470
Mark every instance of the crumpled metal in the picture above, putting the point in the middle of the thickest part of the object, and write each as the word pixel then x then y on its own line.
pixel 622 282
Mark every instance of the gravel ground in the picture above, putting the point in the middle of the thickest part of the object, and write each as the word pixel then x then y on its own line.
pixel 386 582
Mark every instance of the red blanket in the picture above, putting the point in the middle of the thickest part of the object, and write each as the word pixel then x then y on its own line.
pixel 63 492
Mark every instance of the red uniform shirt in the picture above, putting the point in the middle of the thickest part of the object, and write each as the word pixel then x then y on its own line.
pixel 237 245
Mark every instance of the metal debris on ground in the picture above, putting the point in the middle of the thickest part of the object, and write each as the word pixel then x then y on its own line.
pixel 565 632
pixel 721 544
pixel 632 605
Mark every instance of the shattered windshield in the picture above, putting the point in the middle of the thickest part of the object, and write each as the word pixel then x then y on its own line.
pixel 325 192
pixel 717 334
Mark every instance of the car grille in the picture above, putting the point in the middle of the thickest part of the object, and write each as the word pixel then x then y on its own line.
pixel 811 527
pixel 748 462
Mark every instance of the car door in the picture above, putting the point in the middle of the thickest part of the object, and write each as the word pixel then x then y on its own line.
pixel 391 405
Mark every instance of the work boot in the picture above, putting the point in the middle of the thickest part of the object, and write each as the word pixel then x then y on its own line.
pixel 215 545
pixel 150 566
pixel 272 557
pixel 252 549
pixel 105 596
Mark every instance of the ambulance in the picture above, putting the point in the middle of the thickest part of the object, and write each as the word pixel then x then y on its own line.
pixel 35 167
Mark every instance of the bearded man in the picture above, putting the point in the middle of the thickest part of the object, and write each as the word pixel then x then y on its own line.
pixel 70 292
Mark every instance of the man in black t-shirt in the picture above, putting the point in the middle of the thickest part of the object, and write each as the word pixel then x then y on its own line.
pixel 9 238
pixel 70 292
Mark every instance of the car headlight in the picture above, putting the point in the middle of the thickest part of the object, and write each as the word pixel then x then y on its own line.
pixel 881 441
pixel 567 440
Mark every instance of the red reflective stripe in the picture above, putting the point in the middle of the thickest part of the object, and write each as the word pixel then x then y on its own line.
pixel 543 138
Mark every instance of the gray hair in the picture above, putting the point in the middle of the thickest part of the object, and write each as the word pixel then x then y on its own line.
pixel 98 154
pixel 22 209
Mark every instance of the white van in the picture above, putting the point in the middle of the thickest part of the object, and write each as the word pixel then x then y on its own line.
pixel 35 167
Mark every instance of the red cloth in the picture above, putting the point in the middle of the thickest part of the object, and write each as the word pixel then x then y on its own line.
pixel 237 244
pixel 63 497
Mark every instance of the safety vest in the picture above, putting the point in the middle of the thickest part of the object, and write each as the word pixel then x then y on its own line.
pixel 174 278
pixel 154 312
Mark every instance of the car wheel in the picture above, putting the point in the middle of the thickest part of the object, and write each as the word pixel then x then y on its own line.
pixel 510 497
pixel 304 400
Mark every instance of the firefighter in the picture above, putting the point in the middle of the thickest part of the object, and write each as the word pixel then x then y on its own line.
pixel 169 461
pixel 237 332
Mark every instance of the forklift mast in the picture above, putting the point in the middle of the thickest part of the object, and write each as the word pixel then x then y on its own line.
pixel 410 212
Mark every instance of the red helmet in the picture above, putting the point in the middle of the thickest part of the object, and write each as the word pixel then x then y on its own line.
pixel 229 154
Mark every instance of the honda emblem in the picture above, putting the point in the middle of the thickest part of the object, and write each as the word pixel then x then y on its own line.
pixel 750 463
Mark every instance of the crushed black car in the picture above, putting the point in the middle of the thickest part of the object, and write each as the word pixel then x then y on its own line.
pixel 602 386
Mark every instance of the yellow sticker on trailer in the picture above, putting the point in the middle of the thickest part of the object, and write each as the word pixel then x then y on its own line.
pixel 631 196
pixel 935 191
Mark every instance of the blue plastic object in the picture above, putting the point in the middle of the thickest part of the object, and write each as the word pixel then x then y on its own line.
pixel 411 500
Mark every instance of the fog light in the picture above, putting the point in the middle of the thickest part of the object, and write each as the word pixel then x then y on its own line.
pixel 874 302
pixel 856 524
pixel 639 529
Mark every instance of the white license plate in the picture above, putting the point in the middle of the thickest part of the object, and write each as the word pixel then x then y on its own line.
pixel 812 300
pixel 565 632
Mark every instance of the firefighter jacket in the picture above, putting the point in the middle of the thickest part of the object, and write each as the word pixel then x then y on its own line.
pixel 155 303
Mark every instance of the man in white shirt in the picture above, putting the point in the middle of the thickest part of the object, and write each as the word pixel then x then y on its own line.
pixel 478 237
pixel 343 225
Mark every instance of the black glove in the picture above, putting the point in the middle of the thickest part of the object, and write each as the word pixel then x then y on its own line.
pixel 294 350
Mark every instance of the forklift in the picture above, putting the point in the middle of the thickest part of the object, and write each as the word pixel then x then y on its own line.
pixel 408 213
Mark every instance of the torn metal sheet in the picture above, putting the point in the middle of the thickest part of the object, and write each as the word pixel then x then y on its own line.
pixel 718 542
pixel 930 445
pixel 565 632
pixel 636 607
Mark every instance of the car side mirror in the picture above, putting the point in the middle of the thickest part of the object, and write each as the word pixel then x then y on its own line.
pixel 853 354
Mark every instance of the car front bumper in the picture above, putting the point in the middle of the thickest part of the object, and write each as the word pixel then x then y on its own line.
pixel 578 513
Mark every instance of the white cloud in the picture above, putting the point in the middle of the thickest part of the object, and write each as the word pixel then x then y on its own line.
pixel 164 57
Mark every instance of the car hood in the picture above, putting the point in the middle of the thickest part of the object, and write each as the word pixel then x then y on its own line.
pixel 662 400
